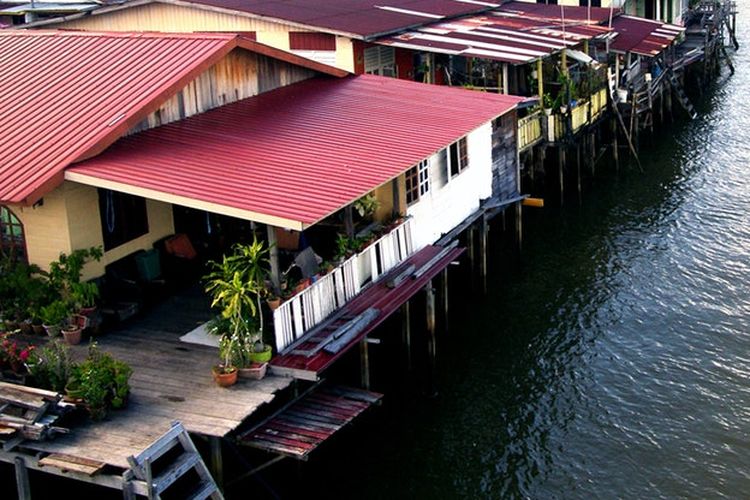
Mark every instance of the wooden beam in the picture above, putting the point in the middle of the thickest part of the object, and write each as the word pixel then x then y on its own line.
pixel 396 198
pixel 406 332
pixel 273 257
pixel 22 479
pixel 431 347
pixel 540 81
pixel 364 360
pixel 445 299
pixel 519 226
pixel 349 220
pixel 217 461
pixel 483 230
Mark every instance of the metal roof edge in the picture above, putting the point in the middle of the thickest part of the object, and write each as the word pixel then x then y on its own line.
pixel 152 194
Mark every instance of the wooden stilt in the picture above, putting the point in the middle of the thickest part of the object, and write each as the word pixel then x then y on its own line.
pixel 615 146
pixel 445 299
pixel 561 173
pixel 22 480
pixel 273 257
pixel 578 173
pixel 217 461
pixel 471 251
pixel 431 347
pixel 484 229
pixel 406 333
pixel 519 227
pixel 364 357
pixel 592 154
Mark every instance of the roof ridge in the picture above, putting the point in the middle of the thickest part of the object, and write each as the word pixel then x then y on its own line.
pixel 121 34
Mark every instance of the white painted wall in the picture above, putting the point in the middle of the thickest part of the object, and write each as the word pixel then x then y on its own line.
pixel 450 201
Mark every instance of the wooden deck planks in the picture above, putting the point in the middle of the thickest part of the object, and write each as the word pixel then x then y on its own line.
pixel 300 428
pixel 171 381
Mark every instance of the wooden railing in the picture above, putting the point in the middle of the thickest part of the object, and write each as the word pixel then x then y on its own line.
pixel 598 103
pixel 314 304
pixel 555 127
pixel 529 130
pixel 579 116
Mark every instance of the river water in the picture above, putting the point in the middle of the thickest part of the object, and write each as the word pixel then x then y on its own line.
pixel 614 362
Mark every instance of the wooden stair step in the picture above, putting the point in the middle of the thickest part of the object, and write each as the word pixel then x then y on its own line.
pixel 179 467
pixel 203 490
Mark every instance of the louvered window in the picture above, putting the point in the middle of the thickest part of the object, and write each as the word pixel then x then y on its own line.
pixel 380 61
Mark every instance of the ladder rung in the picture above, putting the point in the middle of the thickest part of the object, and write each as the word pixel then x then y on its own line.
pixel 184 463
pixel 203 490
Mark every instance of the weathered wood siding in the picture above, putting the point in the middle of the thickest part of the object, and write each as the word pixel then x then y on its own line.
pixel 178 19
pixel 505 157
pixel 69 219
pixel 450 201
pixel 241 74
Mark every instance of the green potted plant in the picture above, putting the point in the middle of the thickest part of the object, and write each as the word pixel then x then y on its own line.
pixel 237 285
pixel 53 315
pixel 51 366
pixel 73 329
pixel 366 206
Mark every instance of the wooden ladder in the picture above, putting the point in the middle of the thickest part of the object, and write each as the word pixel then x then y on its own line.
pixel 681 96
pixel 186 461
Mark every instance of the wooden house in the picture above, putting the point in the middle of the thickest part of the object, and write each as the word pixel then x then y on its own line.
pixel 199 131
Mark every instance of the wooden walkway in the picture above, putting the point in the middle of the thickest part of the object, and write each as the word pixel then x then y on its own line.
pixel 171 381
pixel 300 428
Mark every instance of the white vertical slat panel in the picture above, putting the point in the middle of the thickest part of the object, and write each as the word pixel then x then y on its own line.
pixel 297 316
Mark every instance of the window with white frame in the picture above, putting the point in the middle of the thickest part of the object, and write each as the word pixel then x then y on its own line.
pixel 417 181
pixel 458 157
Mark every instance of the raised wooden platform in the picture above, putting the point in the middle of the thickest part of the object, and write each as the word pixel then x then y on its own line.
pixel 171 381
pixel 307 358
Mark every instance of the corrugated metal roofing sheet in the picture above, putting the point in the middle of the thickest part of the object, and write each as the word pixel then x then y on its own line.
pixel 509 34
pixel 363 18
pixel 70 94
pixel 643 36
pixel 65 92
pixel 549 12
pixel 294 155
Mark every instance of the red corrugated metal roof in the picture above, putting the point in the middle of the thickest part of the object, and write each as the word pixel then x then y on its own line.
pixel 549 12
pixel 294 155
pixel 71 94
pixel 507 35
pixel 362 18
pixel 643 36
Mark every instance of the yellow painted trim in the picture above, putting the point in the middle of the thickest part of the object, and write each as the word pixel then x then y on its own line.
pixel 186 202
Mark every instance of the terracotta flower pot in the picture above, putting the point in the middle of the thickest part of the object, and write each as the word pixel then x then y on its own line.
pixel 256 371
pixel 274 303
pixel 72 335
pixel 224 379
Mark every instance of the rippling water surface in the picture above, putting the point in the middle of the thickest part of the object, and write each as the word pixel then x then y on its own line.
pixel 615 362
